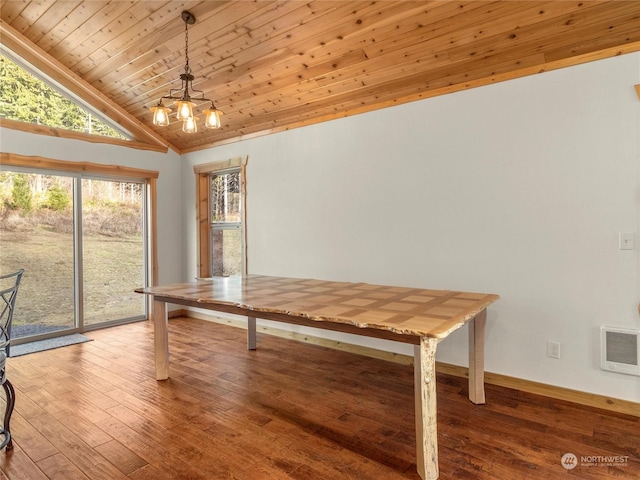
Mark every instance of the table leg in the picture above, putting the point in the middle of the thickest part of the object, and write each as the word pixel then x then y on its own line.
pixel 251 333
pixel 426 408
pixel 161 339
pixel 476 358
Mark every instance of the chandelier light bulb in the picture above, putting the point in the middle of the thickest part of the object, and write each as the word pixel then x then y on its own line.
pixel 212 117
pixel 185 109
pixel 160 115
pixel 190 125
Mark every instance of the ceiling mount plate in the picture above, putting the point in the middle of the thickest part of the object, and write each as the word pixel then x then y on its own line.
pixel 188 18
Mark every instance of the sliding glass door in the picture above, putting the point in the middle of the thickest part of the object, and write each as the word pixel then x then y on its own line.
pixel 112 250
pixel 81 242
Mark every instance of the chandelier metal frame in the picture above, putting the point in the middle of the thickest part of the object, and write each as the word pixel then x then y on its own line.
pixel 184 100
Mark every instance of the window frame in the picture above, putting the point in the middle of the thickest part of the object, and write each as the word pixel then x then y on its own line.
pixel 205 227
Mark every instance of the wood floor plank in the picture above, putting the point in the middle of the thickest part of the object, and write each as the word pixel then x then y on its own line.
pixel 154 447
pixel 75 451
pixel 18 466
pixel 28 438
pixel 285 411
pixel 78 424
pixel 146 409
pixel 149 472
pixel 60 467
pixel 121 457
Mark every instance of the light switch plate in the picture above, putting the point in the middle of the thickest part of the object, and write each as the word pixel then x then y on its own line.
pixel 627 241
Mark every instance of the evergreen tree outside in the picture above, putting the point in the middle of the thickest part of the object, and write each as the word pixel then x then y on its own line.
pixel 21 194
pixel 57 198
pixel 26 98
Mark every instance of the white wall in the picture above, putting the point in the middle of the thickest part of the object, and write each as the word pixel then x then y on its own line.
pixel 170 242
pixel 518 188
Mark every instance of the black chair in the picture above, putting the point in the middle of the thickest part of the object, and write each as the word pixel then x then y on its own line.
pixel 8 292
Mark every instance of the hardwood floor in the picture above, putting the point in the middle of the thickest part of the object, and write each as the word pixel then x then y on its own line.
pixel 286 411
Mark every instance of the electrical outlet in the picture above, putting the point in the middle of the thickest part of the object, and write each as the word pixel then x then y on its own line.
pixel 553 349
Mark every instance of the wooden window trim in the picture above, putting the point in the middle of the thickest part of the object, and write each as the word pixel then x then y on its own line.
pixel 15 160
pixel 202 173
pixel 85 137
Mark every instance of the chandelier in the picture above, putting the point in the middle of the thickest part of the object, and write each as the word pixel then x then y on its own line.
pixel 185 102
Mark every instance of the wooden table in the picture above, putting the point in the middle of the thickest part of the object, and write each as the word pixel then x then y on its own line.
pixel 409 315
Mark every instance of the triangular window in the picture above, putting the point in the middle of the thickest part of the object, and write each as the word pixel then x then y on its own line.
pixel 27 95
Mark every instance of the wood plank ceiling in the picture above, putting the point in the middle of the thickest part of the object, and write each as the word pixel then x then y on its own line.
pixel 274 65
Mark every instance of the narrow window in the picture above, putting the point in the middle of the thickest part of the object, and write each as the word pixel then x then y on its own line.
pixel 221 218
pixel 226 223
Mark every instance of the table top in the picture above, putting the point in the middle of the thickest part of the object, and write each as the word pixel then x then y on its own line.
pixel 401 310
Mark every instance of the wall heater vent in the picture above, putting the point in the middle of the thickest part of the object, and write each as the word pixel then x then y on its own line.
pixel 620 350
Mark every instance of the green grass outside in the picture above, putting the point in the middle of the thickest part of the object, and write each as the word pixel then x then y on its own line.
pixel 112 269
